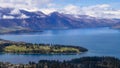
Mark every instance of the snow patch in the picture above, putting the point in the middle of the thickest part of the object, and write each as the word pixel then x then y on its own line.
pixel 8 17
pixel 24 16
pixel 15 11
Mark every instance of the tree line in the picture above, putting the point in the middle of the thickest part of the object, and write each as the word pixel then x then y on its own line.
pixel 84 62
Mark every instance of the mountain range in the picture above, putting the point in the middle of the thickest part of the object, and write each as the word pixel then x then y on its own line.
pixel 18 19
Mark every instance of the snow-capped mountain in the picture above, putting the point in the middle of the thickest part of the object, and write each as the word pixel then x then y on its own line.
pixel 10 13
pixel 19 19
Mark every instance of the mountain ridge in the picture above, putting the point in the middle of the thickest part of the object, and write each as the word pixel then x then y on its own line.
pixel 19 19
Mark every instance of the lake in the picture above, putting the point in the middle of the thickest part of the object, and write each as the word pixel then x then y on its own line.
pixel 99 42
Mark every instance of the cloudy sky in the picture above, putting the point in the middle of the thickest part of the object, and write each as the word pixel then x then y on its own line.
pixel 95 8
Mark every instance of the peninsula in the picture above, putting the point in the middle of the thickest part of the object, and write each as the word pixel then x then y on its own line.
pixel 29 48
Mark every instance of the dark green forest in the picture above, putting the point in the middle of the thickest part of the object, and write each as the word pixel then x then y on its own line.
pixel 84 62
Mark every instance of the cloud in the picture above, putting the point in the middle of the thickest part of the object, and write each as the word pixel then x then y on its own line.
pixel 94 11
pixel 48 6
pixel 72 9
pixel 102 11
pixel 51 5
pixel 45 6
pixel 27 4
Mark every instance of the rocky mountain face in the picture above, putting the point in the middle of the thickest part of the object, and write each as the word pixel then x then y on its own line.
pixel 18 19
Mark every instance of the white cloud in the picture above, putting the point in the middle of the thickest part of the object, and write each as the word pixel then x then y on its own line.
pixel 96 10
pixel 72 9
pixel 101 11
pixel 51 5
pixel 46 6
pixel 27 4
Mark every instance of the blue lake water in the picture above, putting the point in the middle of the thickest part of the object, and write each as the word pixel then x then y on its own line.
pixel 99 42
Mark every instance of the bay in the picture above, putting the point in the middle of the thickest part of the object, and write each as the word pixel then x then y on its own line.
pixel 99 42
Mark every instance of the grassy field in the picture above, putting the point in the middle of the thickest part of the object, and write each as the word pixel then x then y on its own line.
pixel 7 46
pixel 39 49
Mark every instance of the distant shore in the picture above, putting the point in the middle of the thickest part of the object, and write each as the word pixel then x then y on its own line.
pixel 21 32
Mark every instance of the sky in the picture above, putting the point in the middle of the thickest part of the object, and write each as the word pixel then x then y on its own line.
pixel 95 8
